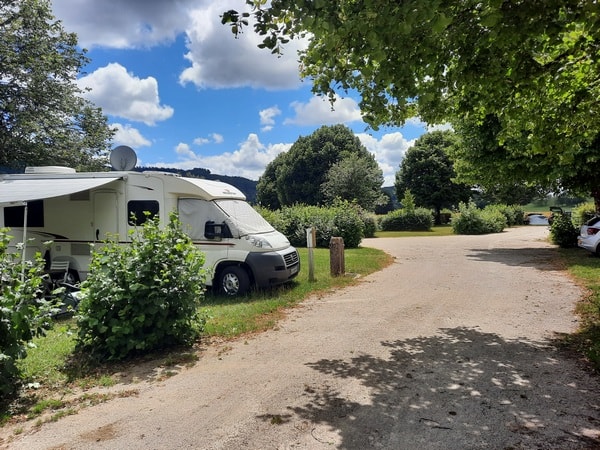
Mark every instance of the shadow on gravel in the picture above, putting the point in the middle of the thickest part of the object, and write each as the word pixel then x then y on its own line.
pixel 460 389
pixel 539 258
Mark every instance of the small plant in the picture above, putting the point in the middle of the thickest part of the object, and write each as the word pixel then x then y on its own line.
pixel 24 313
pixel 562 232
pixel 142 296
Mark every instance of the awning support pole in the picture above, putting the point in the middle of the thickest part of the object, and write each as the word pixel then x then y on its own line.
pixel 24 243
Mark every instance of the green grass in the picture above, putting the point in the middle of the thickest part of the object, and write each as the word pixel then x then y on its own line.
pixel 585 270
pixel 47 356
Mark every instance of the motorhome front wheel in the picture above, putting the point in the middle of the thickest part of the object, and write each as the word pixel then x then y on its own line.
pixel 234 281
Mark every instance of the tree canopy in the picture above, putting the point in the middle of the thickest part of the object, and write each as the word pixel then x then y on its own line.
pixel 427 172
pixel 533 66
pixel 44 120
pixel 317 168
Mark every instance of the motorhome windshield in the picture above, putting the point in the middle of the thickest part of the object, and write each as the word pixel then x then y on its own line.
pixel 246 219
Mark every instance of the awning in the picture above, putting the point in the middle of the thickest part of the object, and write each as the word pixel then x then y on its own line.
pixel 19 191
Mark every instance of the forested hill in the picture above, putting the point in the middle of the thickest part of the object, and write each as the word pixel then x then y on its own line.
pixel 248 187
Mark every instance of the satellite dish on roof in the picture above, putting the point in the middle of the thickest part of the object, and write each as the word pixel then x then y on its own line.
pixel 123 158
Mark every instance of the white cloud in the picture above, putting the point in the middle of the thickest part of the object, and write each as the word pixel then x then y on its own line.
pixel 201 141
pixel 319 111
pixel 127 135
pixel 267 117
pixel 388 151
pixel 122 94
pixel 248 161
pixel 217 60
pixel 123 24
pixel 214 138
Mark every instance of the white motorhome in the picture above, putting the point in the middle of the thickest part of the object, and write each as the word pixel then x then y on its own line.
pixel 73 209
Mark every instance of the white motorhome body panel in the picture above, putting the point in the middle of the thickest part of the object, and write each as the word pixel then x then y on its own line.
pixel 76 209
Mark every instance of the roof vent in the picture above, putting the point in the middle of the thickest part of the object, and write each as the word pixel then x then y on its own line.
pixel 49 169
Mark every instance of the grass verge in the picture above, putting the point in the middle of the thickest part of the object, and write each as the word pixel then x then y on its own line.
pixel 585 270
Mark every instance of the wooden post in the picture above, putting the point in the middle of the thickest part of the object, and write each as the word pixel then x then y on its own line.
pixel 336 256
pixel 311 239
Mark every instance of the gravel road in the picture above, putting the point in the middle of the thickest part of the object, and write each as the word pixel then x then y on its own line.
pixel 448 348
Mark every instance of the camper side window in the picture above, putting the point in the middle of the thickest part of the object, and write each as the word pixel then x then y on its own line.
pixel 14 215
pixel 136 211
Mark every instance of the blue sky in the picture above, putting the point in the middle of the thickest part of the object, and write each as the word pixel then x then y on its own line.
pixel 182 92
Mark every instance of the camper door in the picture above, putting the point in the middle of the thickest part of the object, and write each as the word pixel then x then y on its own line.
pixel 106 215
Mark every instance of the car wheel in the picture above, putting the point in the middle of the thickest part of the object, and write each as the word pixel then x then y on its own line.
pixel 234 280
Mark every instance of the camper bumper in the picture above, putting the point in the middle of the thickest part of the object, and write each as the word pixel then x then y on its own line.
pixel 274 268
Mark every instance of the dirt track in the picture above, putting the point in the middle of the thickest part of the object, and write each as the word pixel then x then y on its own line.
pixel 448 348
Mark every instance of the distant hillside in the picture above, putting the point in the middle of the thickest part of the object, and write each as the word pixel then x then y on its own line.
pixel 248 187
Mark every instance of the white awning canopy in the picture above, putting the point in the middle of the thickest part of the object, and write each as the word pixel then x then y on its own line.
pixel 14 192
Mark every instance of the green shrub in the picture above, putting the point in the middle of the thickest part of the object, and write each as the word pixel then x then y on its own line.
pixel 343 219
pixel 415 219
pixel 471 220
pixel 562 231
pixel 144 295
pixel 582 213
pixel 514 214
pixel 24 313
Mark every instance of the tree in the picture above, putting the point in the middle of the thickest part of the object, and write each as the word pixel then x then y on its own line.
pixel 266 190
pixel 355 178
pixel 297 176
pixel 532 65
pixel 485 158
pixel 44 120
pixel 427 172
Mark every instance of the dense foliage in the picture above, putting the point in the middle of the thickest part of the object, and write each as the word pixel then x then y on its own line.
pixel 24 313
pixel 469 219
pixel 562 231
pixel 343 219
pixel 582 213
pixel 427 171
pixel 420 219
pixel 531 67
pixel 142 296
pixel 328 164
pixel 44 119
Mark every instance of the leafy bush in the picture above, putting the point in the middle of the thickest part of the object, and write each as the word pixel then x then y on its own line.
pixel 142 296
pixel 471 220
pixel 562 231
pixel 24 313
pixel 415 219
pixel 343 219
pixel 514 214
pixel 582 213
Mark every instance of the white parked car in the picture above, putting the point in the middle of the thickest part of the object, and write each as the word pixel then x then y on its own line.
pixel 589 235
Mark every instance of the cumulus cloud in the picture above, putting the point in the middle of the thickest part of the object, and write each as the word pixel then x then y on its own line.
pixel 319 111
pixel 249 160
pixel 388 151
pixel 127 135
pixel 217 60
pixel 122 94
pixel 267 117
pixel 214 138
pixel 123 24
